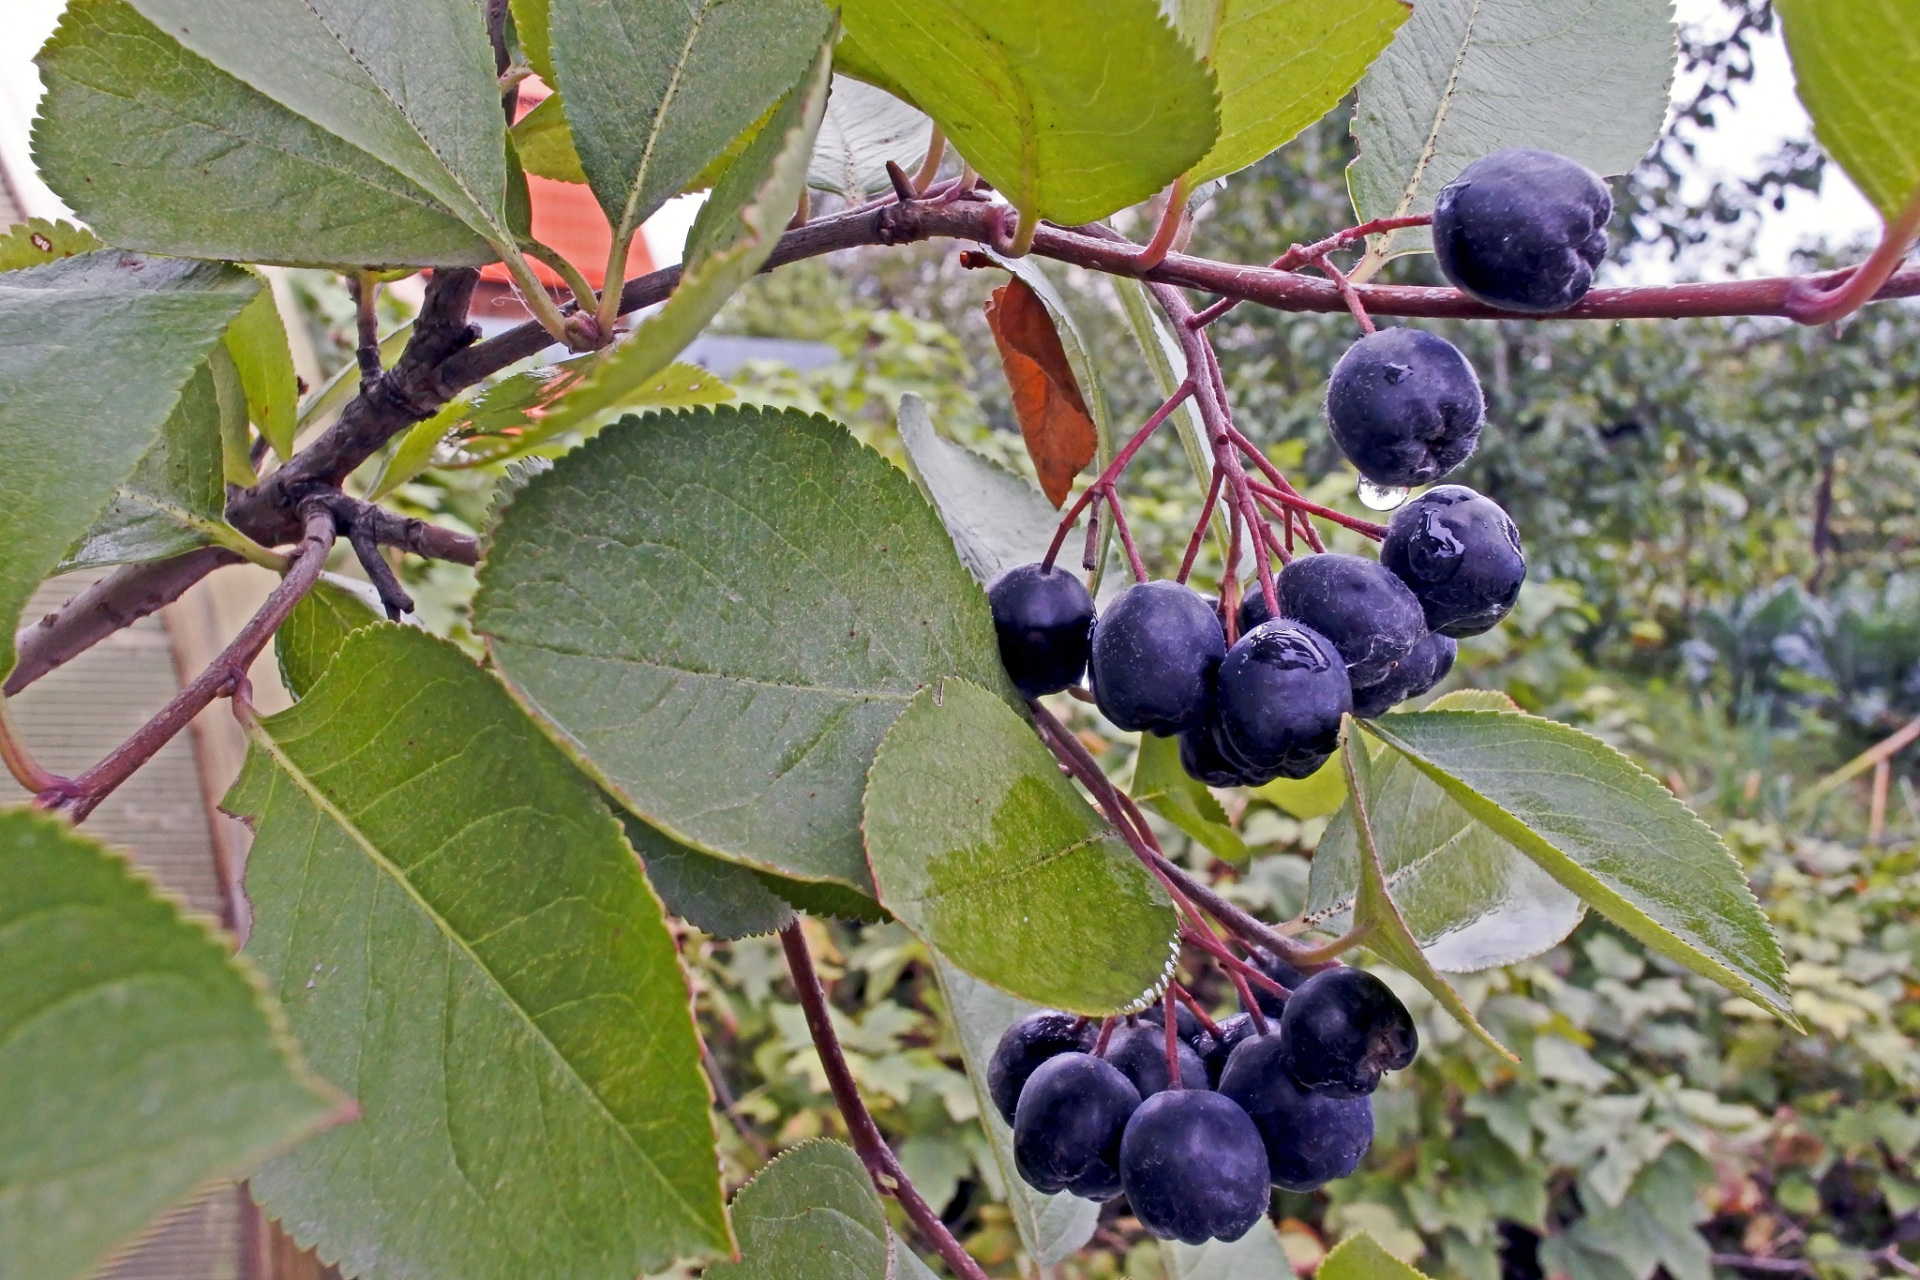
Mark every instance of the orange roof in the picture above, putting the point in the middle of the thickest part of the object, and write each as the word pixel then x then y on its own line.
pixel 568 220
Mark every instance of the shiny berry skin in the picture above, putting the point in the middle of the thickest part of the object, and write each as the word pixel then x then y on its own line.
pixel 1231 1032
pixel 1194 1167
pixel 1282 691
pixel 1270 1002
pixel 1343 1028
pixel 1522 230
pixel 1418 672
pixel 1028 1043
pixel 1460 554
pixel 1404 406
pixel 1140 1054
pixel 1044 618
pixel 1067 1129
pixel 1155 650
pixel 1369 614
pixel 1200 756
pixel 1311 1139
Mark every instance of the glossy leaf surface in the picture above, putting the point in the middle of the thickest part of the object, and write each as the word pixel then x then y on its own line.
pixel 983 849
pixel 242 177
pixel 1587 79
pixel 1606 829
pixel 139 1058
pixel 94 351
pixel 1071 109
pixel 464 941
pixel 307 641
pixel 719 613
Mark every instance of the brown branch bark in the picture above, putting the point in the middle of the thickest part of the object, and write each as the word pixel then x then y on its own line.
pixel 83 794
pixel 882 1166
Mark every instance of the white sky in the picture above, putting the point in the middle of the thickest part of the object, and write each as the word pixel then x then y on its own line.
pixel 1766 113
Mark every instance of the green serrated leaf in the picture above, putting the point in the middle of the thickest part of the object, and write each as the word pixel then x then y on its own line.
pixel 1361 1257
pixel 1606 829
pixel 997 519
pixel 825 899
pixel 1853 64
pixel 713 895
pixel 810 1215
pixel 139 1058
pixel 981 847
pixel 1051 1227
pixel 719 612
pixel 240 177
pixel 863 129
pixel 94 351
pixel 462 936
pixel 412 86
pixel 1257 1255
pixel 306 643
pixel 257 341
pixel 544 142
pixel 1071 109
pixel 1375 914
pixel 1280 65
pixel 1470 899
pixel 1163 785
pixel 533 24
pixel 36 242
pixel 176 497
pixel 654 89
pixel 731 239
pixel 1464 78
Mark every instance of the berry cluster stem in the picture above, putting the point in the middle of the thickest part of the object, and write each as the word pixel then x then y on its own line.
pixel 1103 485
pixel 1300 255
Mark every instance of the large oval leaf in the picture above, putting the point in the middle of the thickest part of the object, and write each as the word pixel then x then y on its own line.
pixel 719 613
pixel 983 849
pixel 1853 64
pixel 466 943
pixel 813 1215
pixel 139 1058
pixel 94 351
pixel 1586 78
pixel 1605 828
pixel 240 176
pixel 1071 109
pixel 655 89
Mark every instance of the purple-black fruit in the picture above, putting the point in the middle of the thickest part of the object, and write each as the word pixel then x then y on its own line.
pixel 1140 1053
pixel 1369 614
pixel 1460 555
pixel 1522 230
pixel 1155 651
pixel 1418 672
pixel 1067 1130
pixel 1194 1167
pixel 1270 1002
pixel 1404 406
pixel 1281 691
pixel 1028 1043
pixel 1201 757
pixel 1044 618
pixel 1311 1139
pixel 1229 1033
pixel 1342 1029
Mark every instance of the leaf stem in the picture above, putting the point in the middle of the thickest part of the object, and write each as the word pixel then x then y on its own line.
pixel 1811 300
pixel 26 771
pixel 930 167
pixel 882 1165
pixel 1172 215
pixel 1370 528
pixel 538 301
pixel 583 295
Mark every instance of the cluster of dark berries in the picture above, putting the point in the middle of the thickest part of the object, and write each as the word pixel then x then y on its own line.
pixel 1353 635
pixel 1255 1105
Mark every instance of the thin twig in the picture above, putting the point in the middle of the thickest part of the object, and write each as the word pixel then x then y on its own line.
pixel 365 292
pixel 1200 529
pixel 882 1166
pixel 1104 482
pixel 1370 528
pixel 97 783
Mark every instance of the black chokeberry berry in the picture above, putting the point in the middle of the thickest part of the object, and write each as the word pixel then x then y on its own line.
pixel 1228 1033
pixel 1311 1139
pixel 1418 672
pixel 1271 1002
pixel 1522 230
pixel 1282 690
pixel 1068 1127
pixel 1028 1043
pixel 1404 406
pixel 1369 614
pixel 1155 650
pixel 1140 1053
pixel 1194 1167
pixel 1044 618
pixel 1342 1029
pixel 1460 554
pixel 1200 756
